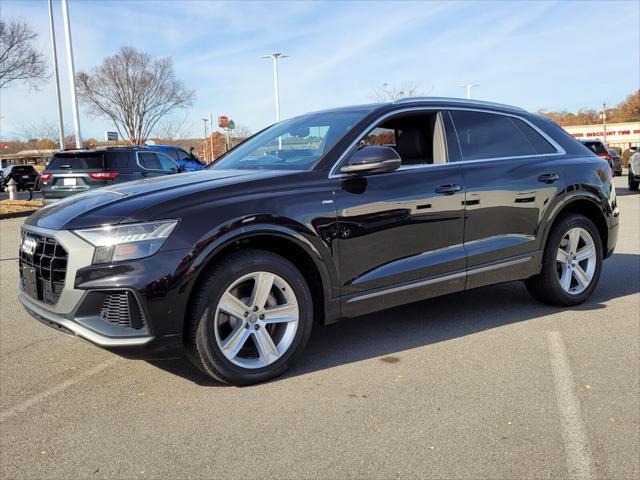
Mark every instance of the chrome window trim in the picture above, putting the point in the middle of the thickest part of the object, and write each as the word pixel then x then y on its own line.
pixel 554 144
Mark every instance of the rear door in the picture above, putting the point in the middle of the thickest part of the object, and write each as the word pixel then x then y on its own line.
pixel 511 176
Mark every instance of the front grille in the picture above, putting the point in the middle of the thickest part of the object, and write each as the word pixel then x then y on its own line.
pixel 43 267
pixel 121 308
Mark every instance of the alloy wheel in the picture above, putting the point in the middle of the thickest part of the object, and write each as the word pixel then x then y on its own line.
pixel 256 320
pixel 576 260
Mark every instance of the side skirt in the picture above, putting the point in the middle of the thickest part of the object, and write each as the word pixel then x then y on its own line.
pixel 514 268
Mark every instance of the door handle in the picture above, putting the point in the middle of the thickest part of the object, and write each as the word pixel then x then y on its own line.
pixel 548 178
pixel 448 189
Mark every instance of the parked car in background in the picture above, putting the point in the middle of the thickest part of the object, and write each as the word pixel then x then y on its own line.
pixel 185 160
pixel 616 161
pixel 600 149
pixel 25 176
pixel 75 171
pixel 634 171
pixel 234 264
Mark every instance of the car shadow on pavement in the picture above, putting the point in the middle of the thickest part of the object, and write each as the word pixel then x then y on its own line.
pixel 386 333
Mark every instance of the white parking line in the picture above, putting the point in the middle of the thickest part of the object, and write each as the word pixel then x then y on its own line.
pixel 55 390
pixel 573 431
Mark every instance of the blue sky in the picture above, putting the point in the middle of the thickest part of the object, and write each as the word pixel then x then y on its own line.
pixel 536 54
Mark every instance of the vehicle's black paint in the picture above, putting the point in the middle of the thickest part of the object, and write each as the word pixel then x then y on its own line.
pixel 372 241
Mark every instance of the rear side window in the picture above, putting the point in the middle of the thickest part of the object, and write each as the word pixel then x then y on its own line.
pixel 488 135
pixel 149 160
pixel 537 141
pixel 81 161
pixel 118 161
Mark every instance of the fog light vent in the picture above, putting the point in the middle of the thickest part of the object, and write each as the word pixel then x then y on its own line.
pixel 121 308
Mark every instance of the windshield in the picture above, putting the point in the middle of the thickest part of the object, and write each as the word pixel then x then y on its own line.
pixel 294 144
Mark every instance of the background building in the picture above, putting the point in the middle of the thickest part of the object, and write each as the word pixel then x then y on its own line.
pixel 622 135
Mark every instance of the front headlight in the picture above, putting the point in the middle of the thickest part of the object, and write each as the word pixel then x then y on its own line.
pixel 115 243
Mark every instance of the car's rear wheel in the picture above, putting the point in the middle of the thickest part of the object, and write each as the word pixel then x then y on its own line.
pixel 633 183
pixel 571 263
pixel 251 316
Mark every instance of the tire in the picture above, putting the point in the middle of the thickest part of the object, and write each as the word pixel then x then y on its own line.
pixel 210 329
pixel 633 183
pixel 550 286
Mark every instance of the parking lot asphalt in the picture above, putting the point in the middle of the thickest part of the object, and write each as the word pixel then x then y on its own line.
pixel 482 384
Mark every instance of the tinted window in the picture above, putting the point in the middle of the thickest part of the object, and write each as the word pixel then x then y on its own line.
pixel 166 163
pixel 24 170
pixel 596 147
pixel 83 161
pixel 182 155
pixel 537 141
pixel 488 135
pixel 149 160
pixel 172 153
pixel 115 160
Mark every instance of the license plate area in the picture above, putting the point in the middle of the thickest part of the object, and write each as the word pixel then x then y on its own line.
pixel 29 281
pixel 69 182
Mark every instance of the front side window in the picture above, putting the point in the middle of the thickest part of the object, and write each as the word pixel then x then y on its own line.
pixel 294 144
pixel 417 137
pixel 166 163
pixel 488 135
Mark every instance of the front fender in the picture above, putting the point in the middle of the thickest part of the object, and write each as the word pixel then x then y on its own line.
pixel 206 250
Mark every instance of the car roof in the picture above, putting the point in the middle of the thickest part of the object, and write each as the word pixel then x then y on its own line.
pixel 422 101
pixel 98 150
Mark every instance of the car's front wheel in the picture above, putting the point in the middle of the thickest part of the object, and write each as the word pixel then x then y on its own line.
pixel 251 316
pixel 571 263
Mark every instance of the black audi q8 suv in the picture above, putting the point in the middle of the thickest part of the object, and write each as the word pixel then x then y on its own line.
pixel 324 216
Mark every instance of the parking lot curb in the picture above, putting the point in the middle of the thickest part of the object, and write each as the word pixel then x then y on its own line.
pixel 6 216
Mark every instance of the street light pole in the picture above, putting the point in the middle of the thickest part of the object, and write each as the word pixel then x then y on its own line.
pixel 468 86
pixel 72 74
pixel 275 56
pixel 56 76
pixel 204 146
pixel 211 139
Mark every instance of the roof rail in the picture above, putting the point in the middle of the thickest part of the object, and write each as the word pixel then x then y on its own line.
pixel 457 100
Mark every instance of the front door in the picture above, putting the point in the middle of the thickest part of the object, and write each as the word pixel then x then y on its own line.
pixel 400 234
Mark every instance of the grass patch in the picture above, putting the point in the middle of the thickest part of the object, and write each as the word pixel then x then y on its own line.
pixel 17 206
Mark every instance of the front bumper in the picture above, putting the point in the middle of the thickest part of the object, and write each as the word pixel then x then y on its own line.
pixel 79 309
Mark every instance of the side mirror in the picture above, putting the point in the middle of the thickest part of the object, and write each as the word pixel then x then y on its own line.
pixel 372 159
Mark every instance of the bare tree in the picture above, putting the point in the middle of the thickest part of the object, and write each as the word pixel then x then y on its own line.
pixel 391 93
pixel 173 128
pixel 40 131
pixel 19 60
pixel 134 91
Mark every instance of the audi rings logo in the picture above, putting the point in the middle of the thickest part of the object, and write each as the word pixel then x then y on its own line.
pixel 29 245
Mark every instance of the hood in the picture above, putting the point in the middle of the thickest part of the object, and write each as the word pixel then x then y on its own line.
pixel 114 204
